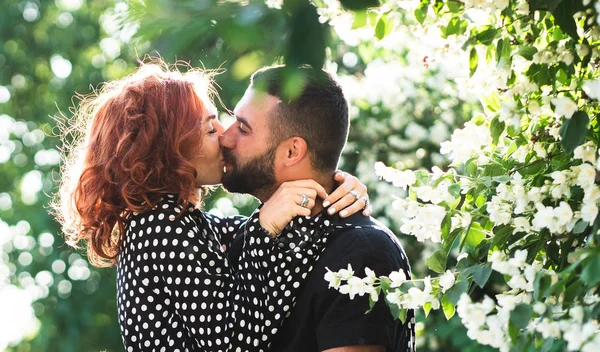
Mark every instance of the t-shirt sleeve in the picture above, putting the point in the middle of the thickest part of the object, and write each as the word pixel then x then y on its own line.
pixel 342 321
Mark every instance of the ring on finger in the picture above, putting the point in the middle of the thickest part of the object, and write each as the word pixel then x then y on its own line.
pixel 355 194
pixel 366 200
pixel 304 200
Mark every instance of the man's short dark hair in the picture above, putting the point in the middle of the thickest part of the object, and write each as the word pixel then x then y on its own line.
pixel 319 114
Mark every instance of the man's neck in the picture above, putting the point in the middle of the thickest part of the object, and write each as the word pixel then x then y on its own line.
pixel 329 185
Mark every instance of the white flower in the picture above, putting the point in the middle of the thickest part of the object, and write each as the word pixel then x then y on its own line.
pixel 576 313
pixel 333 278
pixel 563 213
pixel 522 224
pixel 592 89
pixel 372 292
pixel 395 297
pixel 355 286
pixel 539 308
pixel 586 152
pixel 447 281
pixel 548 328
pixel 586 175
pixel 467 142
pixel 564 107
pixel 346 274
pixel 582 50
pixel 589 211
pixel 397 278
pixel 370 278
pixel 543 217
pixel 592 194
pixel 522 8
pixel 401 179
pixel 416 298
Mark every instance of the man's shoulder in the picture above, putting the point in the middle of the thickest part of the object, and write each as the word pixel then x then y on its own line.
pixel 364 231
pixel 364 242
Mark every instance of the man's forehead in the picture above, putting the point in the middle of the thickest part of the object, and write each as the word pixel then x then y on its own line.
pixel 255 101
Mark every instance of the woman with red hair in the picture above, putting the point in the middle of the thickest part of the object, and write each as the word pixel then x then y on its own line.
pixel 139 155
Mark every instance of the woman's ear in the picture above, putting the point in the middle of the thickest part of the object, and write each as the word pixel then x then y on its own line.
pixel 295 149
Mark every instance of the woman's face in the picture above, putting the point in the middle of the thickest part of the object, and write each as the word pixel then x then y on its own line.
pixel 208 159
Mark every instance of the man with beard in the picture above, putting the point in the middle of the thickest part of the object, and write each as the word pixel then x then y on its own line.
pixel 274 141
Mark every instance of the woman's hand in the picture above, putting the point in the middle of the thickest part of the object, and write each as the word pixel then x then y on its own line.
pixel 295 198
pixel 349 198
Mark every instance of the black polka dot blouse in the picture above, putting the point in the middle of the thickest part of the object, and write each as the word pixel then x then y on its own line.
pixel 177 291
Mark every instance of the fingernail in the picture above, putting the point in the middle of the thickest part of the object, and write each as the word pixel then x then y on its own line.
pixel 331 211
pixel 326 203
pixel 343 213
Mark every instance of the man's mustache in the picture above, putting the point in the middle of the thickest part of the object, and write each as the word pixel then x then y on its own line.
pixel 228 155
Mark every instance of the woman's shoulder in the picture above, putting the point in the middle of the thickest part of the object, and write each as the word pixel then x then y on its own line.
pixel 168 213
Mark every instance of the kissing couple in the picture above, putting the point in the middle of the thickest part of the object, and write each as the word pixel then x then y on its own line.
pixel 146 149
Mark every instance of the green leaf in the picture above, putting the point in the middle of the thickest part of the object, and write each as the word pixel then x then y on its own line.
pixel 454 190
pixel 544 5
pixel 590 275
pixel 492 102
pixel 475 235
pixel 457 290
pixel 541 283
pixel 501 234
pixel 481 275
pixel 527 51
pixel 427 308
pixel 360 19
pixel 496 129
pixel 487 36
pixel 572 292
pixel 521 315
pixel 503 52
pixel 580 226
pixel 394 309
pixel 380 28
pixel 447 307
pixel 513 332
pixel 402 316
pixel 563 17
pixel 437 261
pixel 574 130
pixel 420 14
pixel 480 200
pixel 473 61
pixel 454 26
pixel 357 5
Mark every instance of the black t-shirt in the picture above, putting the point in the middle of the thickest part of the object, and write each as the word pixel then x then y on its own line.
pixel 323 318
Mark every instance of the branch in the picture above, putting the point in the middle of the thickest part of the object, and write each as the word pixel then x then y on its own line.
pixel 533 163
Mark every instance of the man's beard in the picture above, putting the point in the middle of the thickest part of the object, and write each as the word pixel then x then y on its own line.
pixel 255 177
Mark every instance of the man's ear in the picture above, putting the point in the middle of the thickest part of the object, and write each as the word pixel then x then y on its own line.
pixel 295 150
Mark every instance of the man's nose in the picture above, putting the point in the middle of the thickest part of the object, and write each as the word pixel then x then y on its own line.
pixel 226 138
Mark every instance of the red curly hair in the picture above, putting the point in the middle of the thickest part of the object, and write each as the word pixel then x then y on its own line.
pixel 132 144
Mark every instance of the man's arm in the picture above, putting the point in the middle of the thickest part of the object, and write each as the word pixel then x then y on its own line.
pixel 357 348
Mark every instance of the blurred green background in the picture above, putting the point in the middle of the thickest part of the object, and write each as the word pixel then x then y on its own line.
pixel 403 106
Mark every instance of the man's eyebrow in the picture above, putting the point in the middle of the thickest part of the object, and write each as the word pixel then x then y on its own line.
pixel 244 121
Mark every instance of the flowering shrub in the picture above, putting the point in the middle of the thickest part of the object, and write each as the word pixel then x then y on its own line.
pixel 519 204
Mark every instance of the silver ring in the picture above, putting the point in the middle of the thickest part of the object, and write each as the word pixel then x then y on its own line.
pixel 355 194
pixel 366 200
pixel 304 201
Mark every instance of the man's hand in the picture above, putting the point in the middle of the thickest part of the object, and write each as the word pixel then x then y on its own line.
pixel 357 348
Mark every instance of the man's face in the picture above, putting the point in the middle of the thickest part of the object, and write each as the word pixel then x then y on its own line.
pixel 247 147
